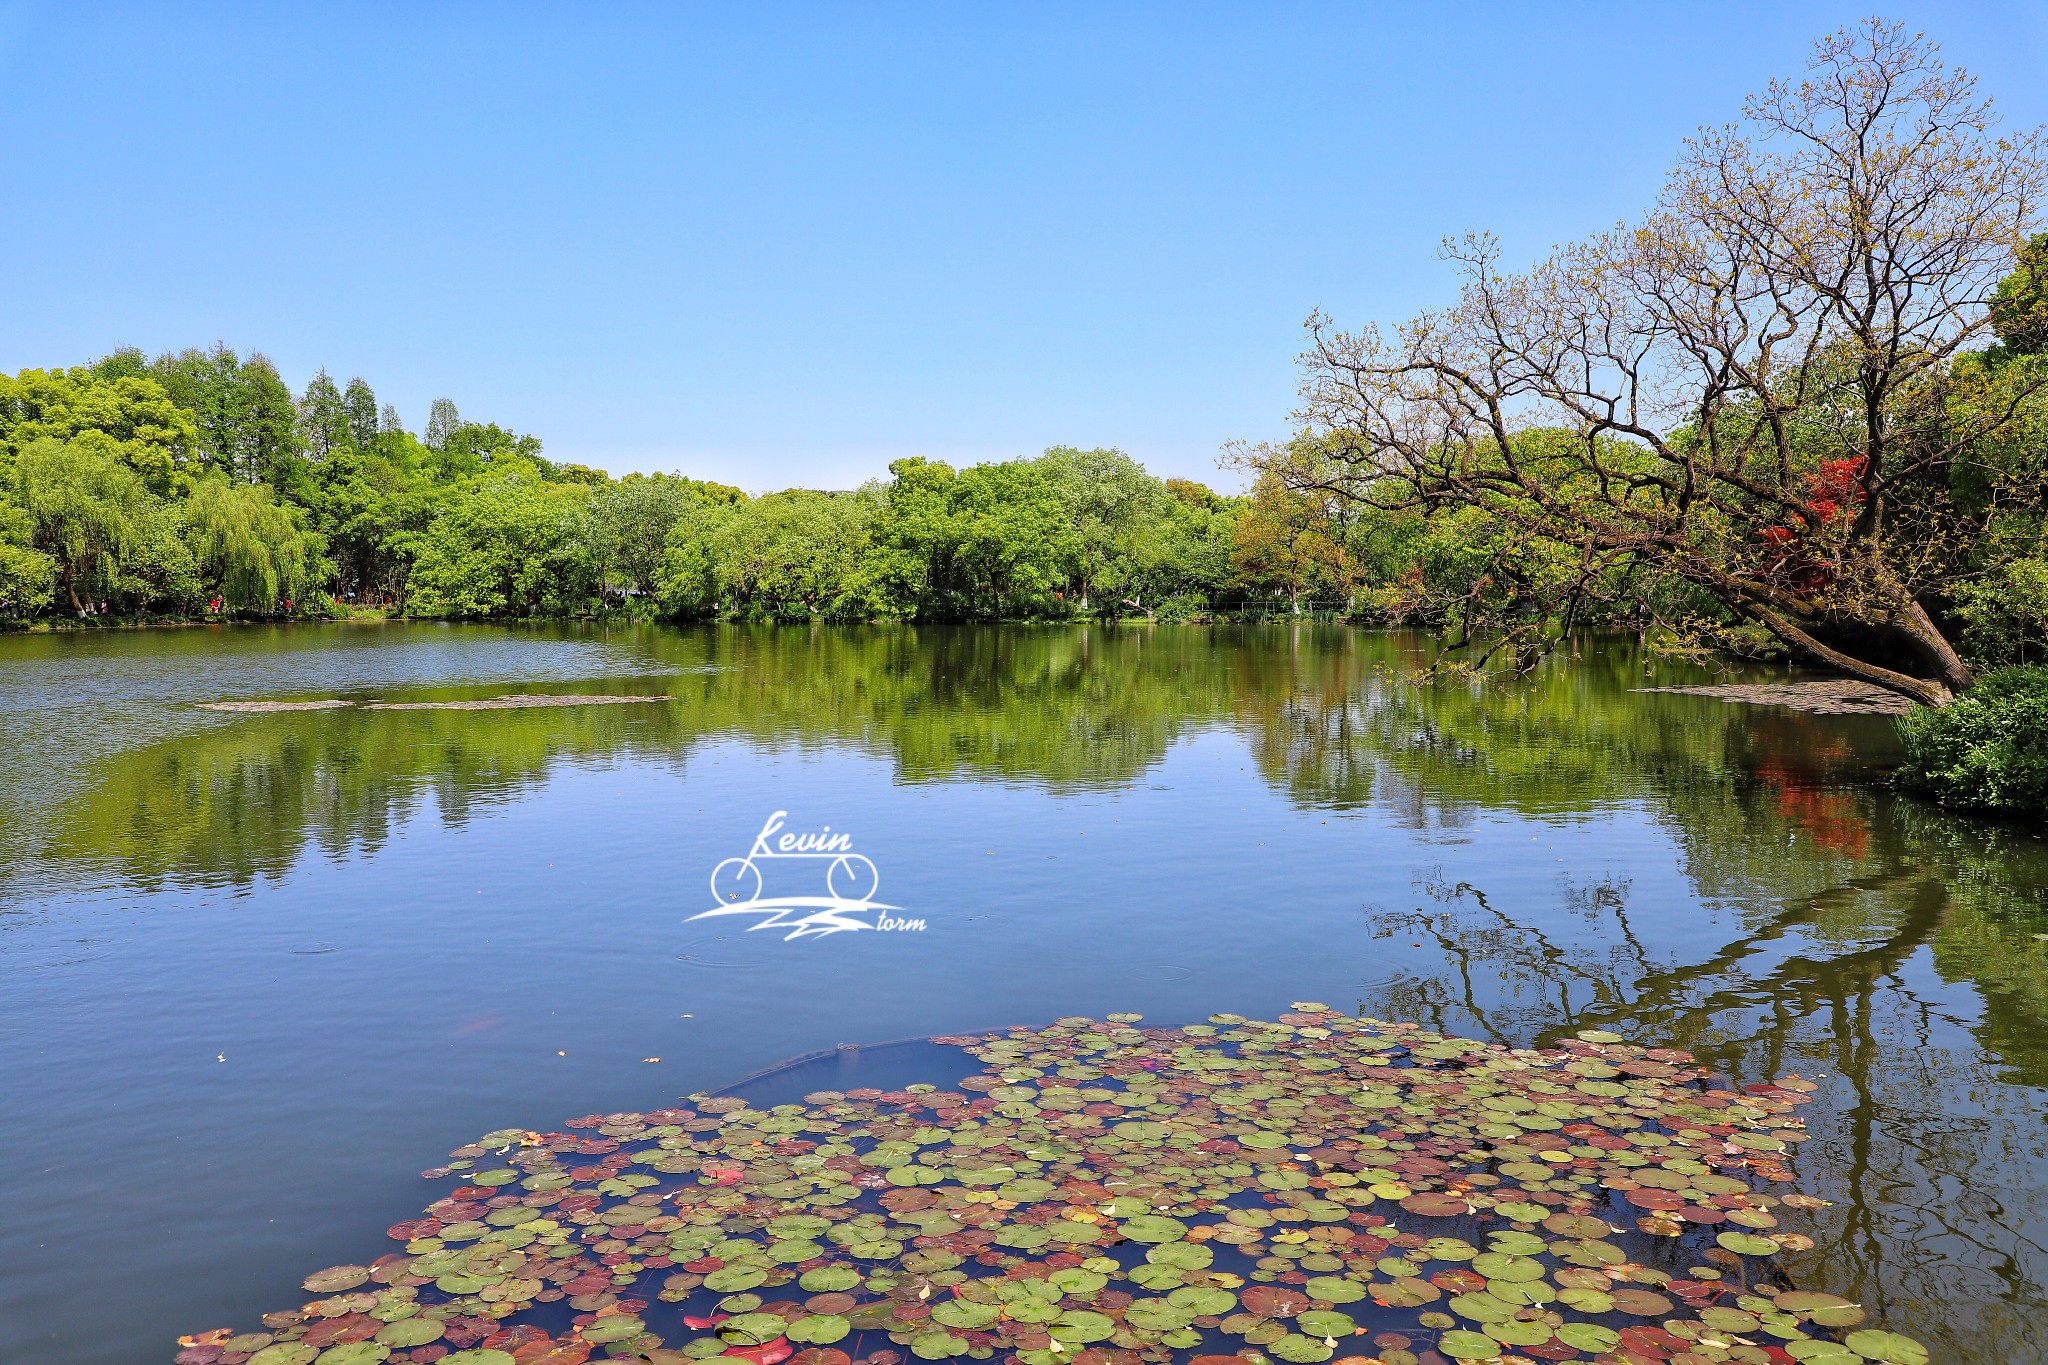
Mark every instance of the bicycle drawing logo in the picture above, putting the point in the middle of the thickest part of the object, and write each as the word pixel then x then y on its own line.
pixel 850 883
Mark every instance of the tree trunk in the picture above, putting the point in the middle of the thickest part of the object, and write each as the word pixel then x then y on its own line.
pixel 1805 646
pixel 1933 648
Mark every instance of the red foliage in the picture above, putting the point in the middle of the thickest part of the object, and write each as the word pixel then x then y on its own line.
pixel 1832 497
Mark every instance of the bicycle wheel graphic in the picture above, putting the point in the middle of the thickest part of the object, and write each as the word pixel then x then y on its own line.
pixel 852 877
pixel 736 879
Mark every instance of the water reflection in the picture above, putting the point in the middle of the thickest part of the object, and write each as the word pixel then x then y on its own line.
pixel 1899 954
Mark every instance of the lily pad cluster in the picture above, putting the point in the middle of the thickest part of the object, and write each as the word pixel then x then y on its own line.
pixel 1312 1189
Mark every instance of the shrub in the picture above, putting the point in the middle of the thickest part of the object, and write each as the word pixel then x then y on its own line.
pixel 1181 607
pixel 1988 749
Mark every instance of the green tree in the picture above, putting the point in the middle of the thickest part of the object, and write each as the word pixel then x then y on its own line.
pixel 791 555
pixel 247 421
pixel 369 506
pixel 626 525
pixel 1286 540
pixel 84 507
pixel 910 563
pixel 442 421
pixel 2019 307
pixel 497 547
pixel 27 575
pixel 687 584
pixel 1742 392
pixel 129 419
pixel 249 548
pixel 1112 507
pixel 1010 541
pixel 1185 557
pixel 323 420
pixel 158 571
pixel 359 412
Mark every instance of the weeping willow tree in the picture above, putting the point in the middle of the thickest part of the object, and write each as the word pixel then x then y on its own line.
pixel 1746 393
pixel 84 511
pixel 250 548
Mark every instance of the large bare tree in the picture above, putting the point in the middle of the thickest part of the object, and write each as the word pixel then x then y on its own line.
pixel 1748 391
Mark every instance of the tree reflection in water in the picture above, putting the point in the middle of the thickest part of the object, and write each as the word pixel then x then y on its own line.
pixel 1929 1135
pixel 1837 920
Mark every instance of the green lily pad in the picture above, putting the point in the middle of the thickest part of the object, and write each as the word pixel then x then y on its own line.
pixel 1823 1310
pixel 612 1329
pixel 355 1353
pixel 971 1317
pixel 1186 1255
pixel 1482 1308
pixel 414 1331
pixel 1154 1228
pixel 1083 1325
pixel 1889 1347
pixel 1746 1244
pixel 1495 1265
pixel 1078 1280
pixel 1203 1300
pixel 1516 1332
pixel 285 1353
pixel 752 1329
pixel 1298 1349
pixel 1589 1336
pixel 1156 1316
pixel 1323 1322
pixel 937 1345
pixel 1462 1345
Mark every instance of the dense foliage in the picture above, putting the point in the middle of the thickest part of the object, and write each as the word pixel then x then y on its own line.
pixel 1987 750
pixel 1801 399
pixel 198 483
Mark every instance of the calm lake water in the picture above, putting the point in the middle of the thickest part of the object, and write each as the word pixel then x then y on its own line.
pixel 257 970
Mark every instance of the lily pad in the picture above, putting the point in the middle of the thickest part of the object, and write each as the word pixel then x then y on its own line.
pixel 1098 1194
pixel 1888 1347
pixel 335 1279
pixel 1589 1336
pixel 1745 1244
pixel 1463 1345
pixel 413 1331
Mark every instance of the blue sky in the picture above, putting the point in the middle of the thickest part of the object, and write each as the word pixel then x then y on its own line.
pixel 784 244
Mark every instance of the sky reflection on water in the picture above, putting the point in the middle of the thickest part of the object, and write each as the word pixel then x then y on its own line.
pixel 256 970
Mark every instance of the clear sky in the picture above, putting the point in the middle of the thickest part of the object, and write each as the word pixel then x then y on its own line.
pixel 784 244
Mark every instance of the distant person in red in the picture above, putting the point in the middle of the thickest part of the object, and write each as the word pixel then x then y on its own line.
pixel 214 606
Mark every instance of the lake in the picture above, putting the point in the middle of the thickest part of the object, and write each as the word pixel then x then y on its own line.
pixel 259 969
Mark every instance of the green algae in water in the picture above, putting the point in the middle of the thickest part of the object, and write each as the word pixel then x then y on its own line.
pixel 1314 1189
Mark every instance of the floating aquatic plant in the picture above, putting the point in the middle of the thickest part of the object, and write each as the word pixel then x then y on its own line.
pixel 1234 1193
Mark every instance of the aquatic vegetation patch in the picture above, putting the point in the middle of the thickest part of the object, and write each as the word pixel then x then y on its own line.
pixel 1318 1188
pixel 515 701
pixel 1822 697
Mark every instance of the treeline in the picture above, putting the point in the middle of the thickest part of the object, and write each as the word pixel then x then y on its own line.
pixel 198 483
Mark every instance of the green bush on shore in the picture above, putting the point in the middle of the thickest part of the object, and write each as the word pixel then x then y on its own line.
pixel 1988 749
